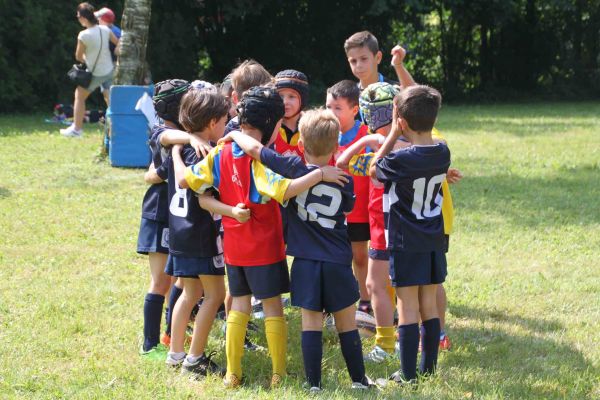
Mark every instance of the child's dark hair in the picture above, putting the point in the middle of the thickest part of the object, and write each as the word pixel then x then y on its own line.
pixel 199 107
pixel 345 89
pixel 249 74
pixel 418 106
pixel 362 39
pixel 261 107
pixel 86 10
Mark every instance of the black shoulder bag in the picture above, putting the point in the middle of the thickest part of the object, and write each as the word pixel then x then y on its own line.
pixel 79 74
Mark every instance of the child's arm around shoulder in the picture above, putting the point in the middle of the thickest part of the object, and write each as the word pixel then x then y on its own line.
pixel 373 140
pixel 171 137
pixel 151 176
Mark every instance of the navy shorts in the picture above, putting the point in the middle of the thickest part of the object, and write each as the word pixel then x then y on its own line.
pixel 262 281
pixel 383 255
pixel 322 285
pixel 153 237
pixel 415 269
pixel 192 267
pixel 359 231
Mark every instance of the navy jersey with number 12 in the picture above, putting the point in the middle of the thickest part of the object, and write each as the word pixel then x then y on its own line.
pixel 412 200
pixel 316 217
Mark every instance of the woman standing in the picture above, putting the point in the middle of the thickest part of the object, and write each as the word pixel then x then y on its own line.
pixel 93 49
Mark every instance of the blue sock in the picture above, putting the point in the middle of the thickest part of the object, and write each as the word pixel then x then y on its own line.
pixel 173 296
pixel 312 353
pixel 409 347
pixel 352 352
pixel 153 306
pixel 431 343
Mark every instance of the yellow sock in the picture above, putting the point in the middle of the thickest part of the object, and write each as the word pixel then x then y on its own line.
pixel 385 338
pixel 277 333
pixel 237 323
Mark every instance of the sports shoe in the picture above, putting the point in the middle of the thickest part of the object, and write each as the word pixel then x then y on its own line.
pixel 396 378
pixel 231 381
pixel 365 307
pixel 248 345
pixel 445 343
pixel 71 132
pixel 172 361
pixel 311 389
pixel 203 366
pixel 363 385
pixel 276 381
pixel 378 355
pixel 157 353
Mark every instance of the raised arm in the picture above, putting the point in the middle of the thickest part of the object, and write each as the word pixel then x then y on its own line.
pixel 404 77
pixel 388 144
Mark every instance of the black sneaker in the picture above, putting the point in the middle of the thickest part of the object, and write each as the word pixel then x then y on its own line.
pixel 248 345
pixel 203 366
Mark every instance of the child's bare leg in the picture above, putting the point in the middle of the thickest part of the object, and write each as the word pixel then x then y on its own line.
pixel 441 305
pixel 276 332
pixel 312 345
pixel 408 329
pixel 360 265
pixel 160 282
pixel 192 291
pixel 377 282
pixel 214 294
pixel 345 322
pixel 431 327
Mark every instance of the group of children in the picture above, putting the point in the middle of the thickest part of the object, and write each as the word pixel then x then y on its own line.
pixel 356 193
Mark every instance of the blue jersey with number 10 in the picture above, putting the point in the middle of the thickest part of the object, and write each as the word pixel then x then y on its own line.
pixel 317 227
pixel 412 200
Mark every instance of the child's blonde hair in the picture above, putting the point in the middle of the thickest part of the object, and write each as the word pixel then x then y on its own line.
pixel 249 74
pixel 319 131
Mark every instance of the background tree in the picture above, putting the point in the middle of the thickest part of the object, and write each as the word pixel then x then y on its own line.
pixel 131 61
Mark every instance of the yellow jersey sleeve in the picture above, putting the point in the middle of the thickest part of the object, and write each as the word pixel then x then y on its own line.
pixel 360 163
pixel 268 185
pixel 447 205
pixel 206 173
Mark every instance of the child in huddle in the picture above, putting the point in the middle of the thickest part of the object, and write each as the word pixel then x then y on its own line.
pixel 254 251
pixel 321 277
pixel 246 75
pixel 376 103
pixel 342 100
pixel 413 178
pixel 195 257
pixel 292 86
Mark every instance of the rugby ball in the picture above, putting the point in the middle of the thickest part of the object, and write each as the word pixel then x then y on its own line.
pixel 365 323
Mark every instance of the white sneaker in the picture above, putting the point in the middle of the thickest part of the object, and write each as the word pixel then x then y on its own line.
pixel 173 361
pixel 71 132
pixel 378 355
pixel 361 386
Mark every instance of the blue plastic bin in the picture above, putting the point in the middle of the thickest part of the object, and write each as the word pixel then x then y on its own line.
pixel 129 130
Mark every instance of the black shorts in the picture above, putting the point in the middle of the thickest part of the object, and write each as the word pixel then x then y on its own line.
pixel 262 281
pixel 416 269
pixel 322 285
pixel 359 231
pixel 192 267
pixel 153 237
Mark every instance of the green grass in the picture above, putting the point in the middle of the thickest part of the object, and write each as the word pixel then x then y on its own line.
pixel 523 284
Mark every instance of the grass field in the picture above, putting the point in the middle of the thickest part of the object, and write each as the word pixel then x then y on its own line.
pixel 523 284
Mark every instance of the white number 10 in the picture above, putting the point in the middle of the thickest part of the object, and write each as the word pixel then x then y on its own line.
pixel 421 205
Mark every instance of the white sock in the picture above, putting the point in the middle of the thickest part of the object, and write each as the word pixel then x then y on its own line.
pixel 192 359
pixel 177 356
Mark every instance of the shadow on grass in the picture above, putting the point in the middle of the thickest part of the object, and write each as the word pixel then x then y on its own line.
pixel 571 198
pixel 517 365
pixel 4 193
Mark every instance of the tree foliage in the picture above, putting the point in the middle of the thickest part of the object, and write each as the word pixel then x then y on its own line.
pixel 494 49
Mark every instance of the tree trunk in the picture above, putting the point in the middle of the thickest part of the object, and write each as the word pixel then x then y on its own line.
pixel 131 61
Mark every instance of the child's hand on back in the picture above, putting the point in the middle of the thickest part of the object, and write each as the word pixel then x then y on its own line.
pixel 453 175
pixel 201 146
pixel 227 138
pixel 398 54
pixel 334 175
pixel 241 213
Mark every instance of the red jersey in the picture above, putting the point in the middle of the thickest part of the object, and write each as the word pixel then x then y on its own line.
pixel 286 142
